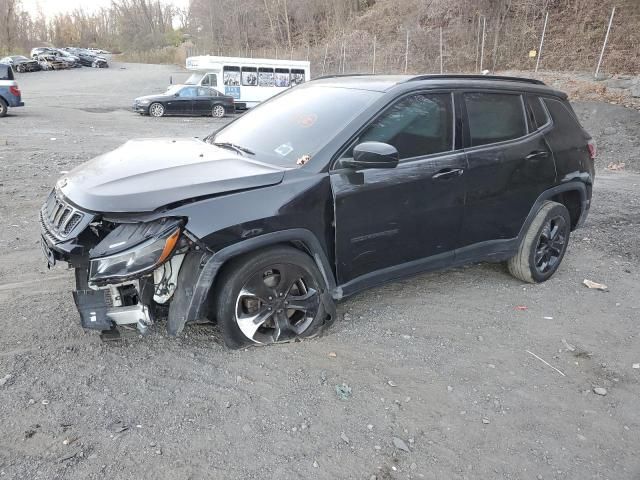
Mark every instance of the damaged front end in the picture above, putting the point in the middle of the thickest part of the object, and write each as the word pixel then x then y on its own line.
pixel 124 267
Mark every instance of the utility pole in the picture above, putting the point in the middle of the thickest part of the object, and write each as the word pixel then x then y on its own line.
pixel 606 38
pixel 544 30
pixel 406 54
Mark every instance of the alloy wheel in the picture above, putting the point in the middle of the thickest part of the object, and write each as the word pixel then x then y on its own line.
pixel 551 244
pixel 218 111
pixel 277 304
pixel 156 110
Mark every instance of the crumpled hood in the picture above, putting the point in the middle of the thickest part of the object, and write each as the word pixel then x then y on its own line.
pixel 143 175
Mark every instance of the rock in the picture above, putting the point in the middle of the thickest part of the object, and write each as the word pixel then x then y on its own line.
pixel 636 366
pixel 449 388
pixel 344 437
pixel 343 391
pixel 635 91
pixel 315 464
pixel 332 354
pixel 5 379
pixel 158 452
pixel 392 383
pixel 373 477
pixel 45 402
pixel 486 421
pixel 370 427
pixel 600 391
pixel 400 445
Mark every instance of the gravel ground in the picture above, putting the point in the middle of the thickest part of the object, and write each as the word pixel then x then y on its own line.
pixel 443 362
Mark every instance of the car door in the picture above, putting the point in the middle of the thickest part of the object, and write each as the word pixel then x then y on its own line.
pixel 182 103
pixel 203 102
pixel 510 165
pixel 395 218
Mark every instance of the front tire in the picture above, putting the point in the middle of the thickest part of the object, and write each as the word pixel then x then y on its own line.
pixel 543 247
pixel 217 111
pixel 269 296
pixel 156 110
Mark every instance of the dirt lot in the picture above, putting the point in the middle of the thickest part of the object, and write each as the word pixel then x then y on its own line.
pixel 439 361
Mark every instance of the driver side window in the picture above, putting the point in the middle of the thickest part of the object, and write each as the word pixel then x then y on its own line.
pixel 417 125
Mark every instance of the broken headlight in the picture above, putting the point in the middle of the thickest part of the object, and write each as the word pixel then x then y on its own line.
pixel 131 250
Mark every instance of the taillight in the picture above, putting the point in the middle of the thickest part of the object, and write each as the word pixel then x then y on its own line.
pixel 14 90
pixel 591 145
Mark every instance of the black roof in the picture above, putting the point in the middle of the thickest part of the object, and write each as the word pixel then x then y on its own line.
pixel 383 83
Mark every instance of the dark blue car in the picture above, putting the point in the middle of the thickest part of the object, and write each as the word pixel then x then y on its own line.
pixel 10 95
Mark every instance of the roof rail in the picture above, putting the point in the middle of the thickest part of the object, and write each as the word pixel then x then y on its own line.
pixel 476 77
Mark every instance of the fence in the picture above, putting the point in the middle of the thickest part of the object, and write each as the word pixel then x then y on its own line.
pixel 610 44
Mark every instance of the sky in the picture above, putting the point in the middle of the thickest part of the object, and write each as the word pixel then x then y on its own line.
pixel 52 7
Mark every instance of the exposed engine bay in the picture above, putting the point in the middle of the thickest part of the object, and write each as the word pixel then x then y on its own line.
pixel 123 269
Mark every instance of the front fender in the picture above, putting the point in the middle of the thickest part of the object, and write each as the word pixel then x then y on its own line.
pixel 200 269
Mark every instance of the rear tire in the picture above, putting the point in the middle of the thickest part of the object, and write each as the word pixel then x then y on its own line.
pixel 269 296
pixel 4 108
pixel 544 244
pixel 217 111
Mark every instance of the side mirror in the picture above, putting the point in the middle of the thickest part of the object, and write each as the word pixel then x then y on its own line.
pixel 372 155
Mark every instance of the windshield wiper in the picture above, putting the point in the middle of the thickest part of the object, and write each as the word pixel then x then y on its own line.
pixel 233 146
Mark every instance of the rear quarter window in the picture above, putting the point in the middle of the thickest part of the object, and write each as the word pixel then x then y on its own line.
pixel 6 73
pixel 540 116
pixel 494 117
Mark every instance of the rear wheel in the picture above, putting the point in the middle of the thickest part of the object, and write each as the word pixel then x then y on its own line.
pixel 156 110
pixel 269 296
pixel 544 244
pixel 217 111
pixel 20 68
pixel 3 108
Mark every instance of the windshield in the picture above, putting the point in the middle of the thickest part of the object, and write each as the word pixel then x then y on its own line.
pixel 194 79
pixel 289 129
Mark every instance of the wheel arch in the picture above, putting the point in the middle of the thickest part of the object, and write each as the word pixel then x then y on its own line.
pixel 574 195
pixel 197 277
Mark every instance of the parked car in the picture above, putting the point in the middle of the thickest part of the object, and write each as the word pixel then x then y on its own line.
pixel 35 52
pixel 87 58
pixel 185 100
pixel 72 60
pixel 329 188
pixel 10 95
pixel 21 64
pixel 51 61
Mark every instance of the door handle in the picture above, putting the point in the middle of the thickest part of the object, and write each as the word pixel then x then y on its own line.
pixel 536 155
pixel 447 173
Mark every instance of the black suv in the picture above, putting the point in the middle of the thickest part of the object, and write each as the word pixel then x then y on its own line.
pixel 332 187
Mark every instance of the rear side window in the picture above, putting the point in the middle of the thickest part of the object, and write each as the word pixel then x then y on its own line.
pixel 494 117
